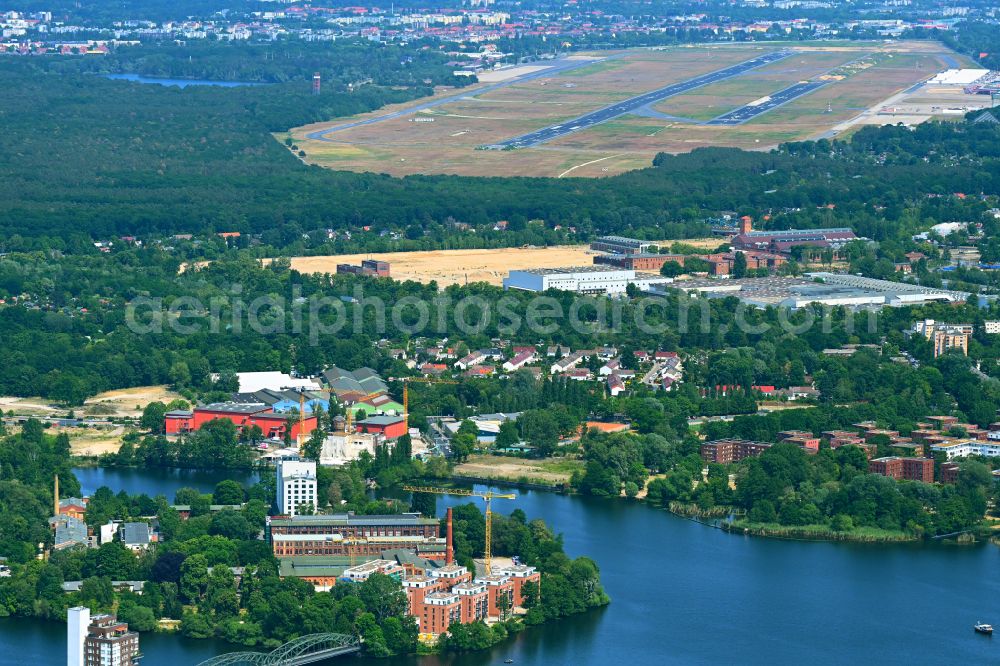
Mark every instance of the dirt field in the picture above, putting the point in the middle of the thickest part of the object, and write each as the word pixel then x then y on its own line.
pixel 128 402
pixel 93 442
pixel 457 266
pixel 446 138
pixel 121 403
pixel 497 467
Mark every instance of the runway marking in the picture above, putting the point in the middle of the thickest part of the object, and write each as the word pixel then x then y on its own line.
pixel 588 163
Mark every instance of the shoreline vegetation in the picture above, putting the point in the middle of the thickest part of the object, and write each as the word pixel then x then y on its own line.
pixel 691 511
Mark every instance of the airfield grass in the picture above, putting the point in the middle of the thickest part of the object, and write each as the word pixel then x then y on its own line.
pixel 448 143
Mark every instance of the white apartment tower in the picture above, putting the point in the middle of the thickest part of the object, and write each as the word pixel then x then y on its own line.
pixel 77 623
pixel 296 486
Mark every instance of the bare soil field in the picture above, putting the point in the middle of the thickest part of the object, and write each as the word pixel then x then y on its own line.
pixel 93 442
pixel 457 266
pixel 128 402
pixel 445 139
pixel 121 403
pixel 512 469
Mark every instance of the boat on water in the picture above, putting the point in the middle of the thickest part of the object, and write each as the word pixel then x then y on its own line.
pixel 983 628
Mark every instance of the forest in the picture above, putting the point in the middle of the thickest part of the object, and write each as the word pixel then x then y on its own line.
pixel 94 159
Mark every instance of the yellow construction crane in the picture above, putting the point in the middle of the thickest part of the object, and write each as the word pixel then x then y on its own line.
pixel 420 380
pixel 488 496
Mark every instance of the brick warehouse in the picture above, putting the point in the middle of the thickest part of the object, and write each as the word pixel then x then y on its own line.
pixel 272 424
pixel 352 535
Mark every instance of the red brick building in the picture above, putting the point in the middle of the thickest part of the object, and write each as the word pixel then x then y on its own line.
pixel 272 424
pixel 349 534
pixel 521 575
pixel 475 601
pixel 725 451
pixel 649 262
pixel 949 472
pixel 801 438
pixel 438 611
pixel 909 469
pixel 501 594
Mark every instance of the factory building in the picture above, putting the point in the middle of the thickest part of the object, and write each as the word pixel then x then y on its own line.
pixel 348 534
pixel 580 279
pixel 620 245
pixel 783 241
pixel 832 289
pixel 244 415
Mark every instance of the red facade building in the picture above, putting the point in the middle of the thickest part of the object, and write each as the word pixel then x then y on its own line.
pixel 908 469
pixel 272 424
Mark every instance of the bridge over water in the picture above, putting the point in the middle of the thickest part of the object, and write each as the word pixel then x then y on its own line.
pixel 298 652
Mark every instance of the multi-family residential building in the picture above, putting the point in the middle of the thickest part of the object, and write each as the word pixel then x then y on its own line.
pixel 296 486
pixel 725 451
pixel 100 640
pixel 963 448
pixel 909 469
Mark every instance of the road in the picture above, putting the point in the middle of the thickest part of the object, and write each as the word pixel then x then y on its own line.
pixel 634 103
pixel 554 67
pixel 748 112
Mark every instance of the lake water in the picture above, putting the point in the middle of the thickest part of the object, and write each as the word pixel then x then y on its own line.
pixel 683 593
pixel 179 83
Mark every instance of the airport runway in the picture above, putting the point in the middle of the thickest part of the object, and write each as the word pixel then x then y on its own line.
pixel 750 111
pixel 629 105
pixel 554 67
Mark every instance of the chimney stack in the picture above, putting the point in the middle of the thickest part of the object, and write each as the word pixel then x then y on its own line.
pixel 449 555
pixel 56 500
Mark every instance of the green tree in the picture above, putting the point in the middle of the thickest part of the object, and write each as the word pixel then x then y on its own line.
pixel 194 578
pixel 227 492
pixel 153 417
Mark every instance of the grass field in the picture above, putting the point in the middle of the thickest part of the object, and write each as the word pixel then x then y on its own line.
pixel 446 138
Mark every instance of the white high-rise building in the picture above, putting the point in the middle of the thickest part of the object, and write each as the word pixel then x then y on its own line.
pixel 296 486
pixel 77 623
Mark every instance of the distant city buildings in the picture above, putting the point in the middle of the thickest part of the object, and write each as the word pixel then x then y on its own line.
pixel 296 487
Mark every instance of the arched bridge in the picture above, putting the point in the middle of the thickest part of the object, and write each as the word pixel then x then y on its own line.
pixel 302 650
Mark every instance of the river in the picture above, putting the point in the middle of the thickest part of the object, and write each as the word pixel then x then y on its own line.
pixel 681 593
pixel 180 83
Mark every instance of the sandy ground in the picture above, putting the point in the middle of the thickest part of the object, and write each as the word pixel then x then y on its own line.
pixel 120 403
pixel 495 467
pixel 129 402
pixel 94 442
pixel 458 266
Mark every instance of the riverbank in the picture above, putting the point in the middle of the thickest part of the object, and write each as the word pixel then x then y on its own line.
pixel 875 599
pixel 816 532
